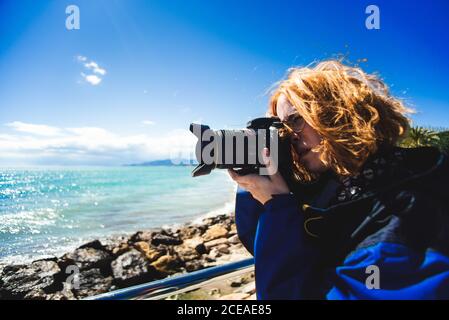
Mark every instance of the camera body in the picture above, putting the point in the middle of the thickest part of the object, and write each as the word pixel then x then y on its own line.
pixel 240 150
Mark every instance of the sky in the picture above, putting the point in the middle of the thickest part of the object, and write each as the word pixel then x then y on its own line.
pixel 125 86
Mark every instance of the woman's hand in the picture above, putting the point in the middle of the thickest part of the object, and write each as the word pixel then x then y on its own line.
pixel 262 187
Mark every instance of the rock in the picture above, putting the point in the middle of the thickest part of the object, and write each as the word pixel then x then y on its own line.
pixel 235 296
pixel 120 249
pixel 96 244
pixel 132 268
pixel 223 248
pixel 65 294
pixel 114 244
pixel 143 236
pixel 160 238
pixel 121 261
pixel 201 248
pixel 233 230
pixel 202 228
pixel 167 264
pixel 186 253
pixel 91 282
pixel 220 219
pixel 189 232
pixel 194 265
pixel 207 258
pixel 196 243
pixel 36 294
pixel 193 242
pixel 214 253
pixel 216 242
pixel 150 253
pixel 17 281
pixel 214 232
pixel 87 258
pixel 234 239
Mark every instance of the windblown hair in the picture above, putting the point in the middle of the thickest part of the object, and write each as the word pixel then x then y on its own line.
pixel 353 112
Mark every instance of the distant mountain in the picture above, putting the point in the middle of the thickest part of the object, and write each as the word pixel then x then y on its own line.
pixel 165 163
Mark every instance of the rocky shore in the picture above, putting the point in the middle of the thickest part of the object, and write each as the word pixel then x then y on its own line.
pixel 122 261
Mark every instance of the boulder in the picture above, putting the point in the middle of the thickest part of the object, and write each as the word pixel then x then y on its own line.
pixel 186 253
pixel 167 265
pixel 194 265
pixel 193 242
pixel 116 245
pixel 202 228
pixel 232 230
pixel 216 242
pixel 143 236
pixel 201 248
pixel 120 249
pixel 189 232
pixel 65 294
pixel 132 268
pixel 223 248
pixel 87 258
pixel 96 244
pixel 39 294
pixel 215 232
pixel 18 281
pixel 36 294
pixel 160 238
pixel 91 282
pixel 214 253
pixel 196 243
pixel 150 253
pixel 234 239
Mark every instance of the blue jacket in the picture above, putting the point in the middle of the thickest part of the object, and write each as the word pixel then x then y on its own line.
pixel 381 235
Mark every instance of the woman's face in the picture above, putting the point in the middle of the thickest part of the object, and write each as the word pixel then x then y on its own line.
pixel 303 142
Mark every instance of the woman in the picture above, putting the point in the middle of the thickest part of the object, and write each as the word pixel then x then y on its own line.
pixel 360 218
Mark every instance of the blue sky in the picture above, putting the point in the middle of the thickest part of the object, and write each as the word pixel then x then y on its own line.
pixel 126 85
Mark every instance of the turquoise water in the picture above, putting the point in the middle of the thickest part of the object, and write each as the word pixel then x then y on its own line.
pixel 49 211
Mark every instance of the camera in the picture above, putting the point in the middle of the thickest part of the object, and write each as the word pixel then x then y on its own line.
pixel 240 150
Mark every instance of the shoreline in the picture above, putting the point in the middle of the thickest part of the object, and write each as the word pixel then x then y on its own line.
pixel 27 258
pixel 120 261
pixel 28 234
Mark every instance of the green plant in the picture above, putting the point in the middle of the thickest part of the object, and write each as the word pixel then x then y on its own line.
pixel 421 137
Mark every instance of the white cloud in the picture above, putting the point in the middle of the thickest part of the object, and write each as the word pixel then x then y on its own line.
pixel 91 67
pixel 81 58
pixel 95 68
pixel 92 79
pixel 35 129
pixel 148 123
pixel 30 144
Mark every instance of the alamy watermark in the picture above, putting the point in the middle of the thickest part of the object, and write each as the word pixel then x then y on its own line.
pixel 372 22
pixel 72 21
pixel 73 280
pixel 373 280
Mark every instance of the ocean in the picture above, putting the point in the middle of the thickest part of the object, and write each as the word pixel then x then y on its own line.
pixel 49 211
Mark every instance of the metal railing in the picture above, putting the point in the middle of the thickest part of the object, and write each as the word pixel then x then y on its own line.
pixel 161 289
